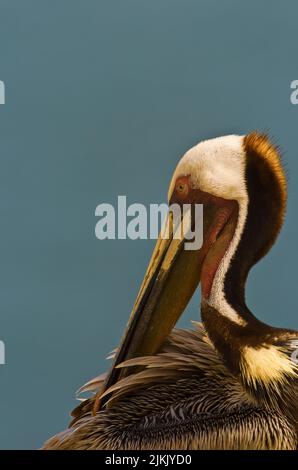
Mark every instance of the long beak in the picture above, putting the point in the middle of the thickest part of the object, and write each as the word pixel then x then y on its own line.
pixel 170 281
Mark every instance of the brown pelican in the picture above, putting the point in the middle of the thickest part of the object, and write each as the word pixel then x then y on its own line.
pixel 232 382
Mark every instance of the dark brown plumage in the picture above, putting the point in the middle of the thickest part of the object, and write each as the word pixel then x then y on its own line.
pixel 185 398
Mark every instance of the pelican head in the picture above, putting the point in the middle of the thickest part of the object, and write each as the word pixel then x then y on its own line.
pixel 240 182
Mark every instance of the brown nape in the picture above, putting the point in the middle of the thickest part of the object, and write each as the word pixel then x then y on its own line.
pixel 267 195
pixel 266 187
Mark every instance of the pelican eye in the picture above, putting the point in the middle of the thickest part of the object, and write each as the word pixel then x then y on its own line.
pixel 182 187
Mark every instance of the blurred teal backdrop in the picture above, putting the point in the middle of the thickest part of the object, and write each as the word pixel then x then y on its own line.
pixel 102 98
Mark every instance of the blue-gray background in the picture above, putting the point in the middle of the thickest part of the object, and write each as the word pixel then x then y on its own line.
pixel 102 97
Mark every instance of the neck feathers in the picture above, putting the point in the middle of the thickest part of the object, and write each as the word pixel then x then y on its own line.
pixel 261 355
